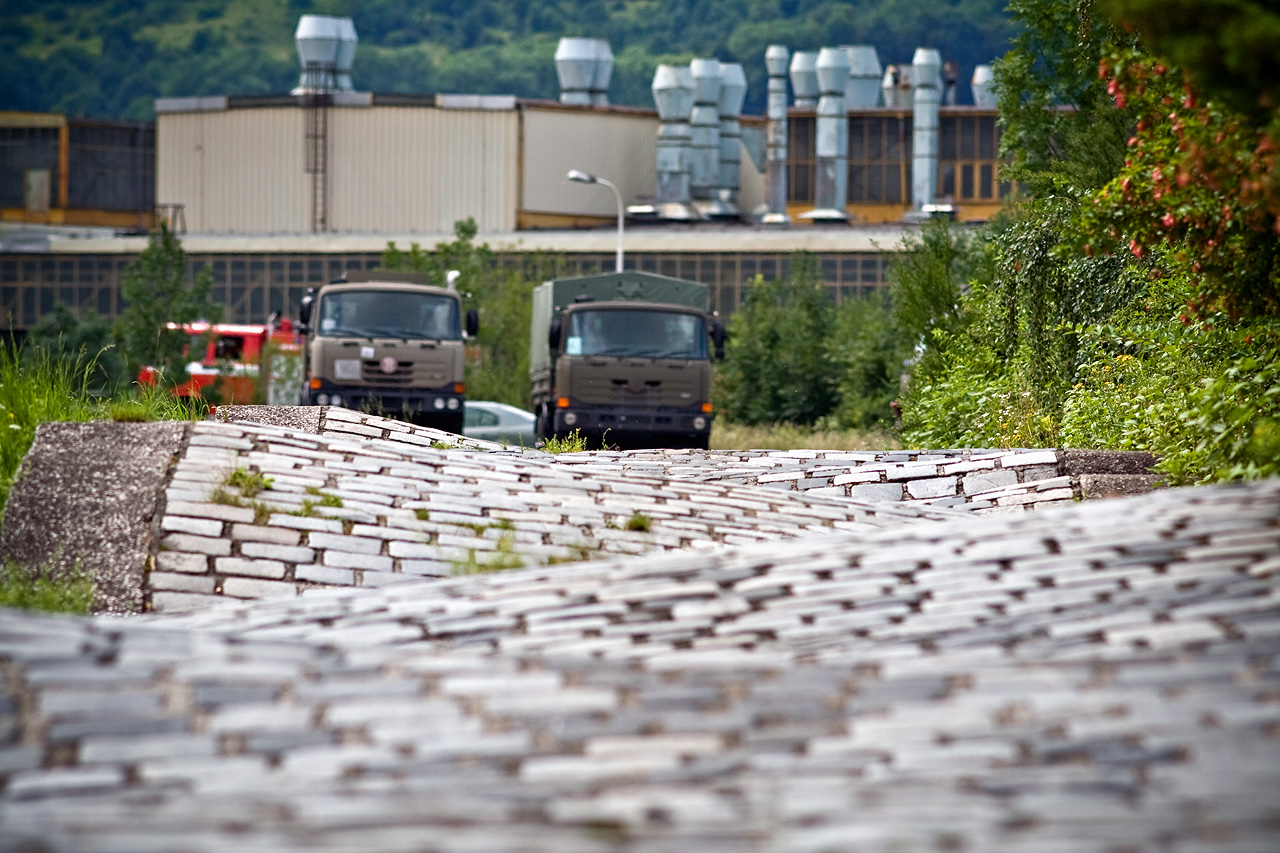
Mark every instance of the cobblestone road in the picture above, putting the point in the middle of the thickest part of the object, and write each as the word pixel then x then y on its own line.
pixel 1099 676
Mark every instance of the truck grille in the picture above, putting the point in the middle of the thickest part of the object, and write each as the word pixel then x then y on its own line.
pixel 371 373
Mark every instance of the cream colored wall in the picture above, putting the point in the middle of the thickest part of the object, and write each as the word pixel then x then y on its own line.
pixel 398 169
pixel 235 171
pixel 618 146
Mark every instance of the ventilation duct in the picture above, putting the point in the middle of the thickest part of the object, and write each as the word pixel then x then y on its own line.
pixel 926 68
pixel 576 67
pixel 600 77
pixel 347 42
pixel 984 94
pixel 895 88
pixel 673 97
pixel 704 128
pixel 863 89
pixel 831 138
pixel 733 91
pixel 317 38
pixel 775 60
pixel 804 78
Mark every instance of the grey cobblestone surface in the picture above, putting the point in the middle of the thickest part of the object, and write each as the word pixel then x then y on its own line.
pixel 701 651
pixel 1097 677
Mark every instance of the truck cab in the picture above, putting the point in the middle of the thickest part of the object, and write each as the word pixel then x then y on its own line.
pixel 387 343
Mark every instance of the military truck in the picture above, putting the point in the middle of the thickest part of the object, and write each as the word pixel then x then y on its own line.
pixel 623 358
pixel 387 343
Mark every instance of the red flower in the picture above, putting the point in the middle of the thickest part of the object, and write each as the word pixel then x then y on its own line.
pixel 1136 248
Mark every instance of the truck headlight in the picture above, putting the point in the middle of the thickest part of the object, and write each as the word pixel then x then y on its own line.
pixel 322 399
pixel 570 418
pixel 336 399
pixel 438 402
pixel 453 404
pixel 699 423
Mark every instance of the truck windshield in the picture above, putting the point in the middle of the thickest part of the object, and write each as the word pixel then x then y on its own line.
pixel 388 313
pixel 627 333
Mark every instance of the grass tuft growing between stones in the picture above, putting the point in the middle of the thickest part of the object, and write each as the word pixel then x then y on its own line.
pixel 504 558
pixel 64 591
pixel 574 442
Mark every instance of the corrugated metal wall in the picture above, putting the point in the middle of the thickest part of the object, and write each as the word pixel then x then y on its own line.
pixel 398 169
pixel 236 171
pixel 618 146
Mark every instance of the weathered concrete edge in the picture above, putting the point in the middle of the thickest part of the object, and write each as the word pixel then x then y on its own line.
pixel 87 493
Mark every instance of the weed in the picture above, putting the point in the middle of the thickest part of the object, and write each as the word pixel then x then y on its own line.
pixel 640 522
pixel 347 526
pixel 62 591
pixel 574 442
pixel 504 558
pixel 224 497
pixel 326 499
pixel 307 510
pixel 261 513
pixel 250 483
pixel 443 445
pixel 422 514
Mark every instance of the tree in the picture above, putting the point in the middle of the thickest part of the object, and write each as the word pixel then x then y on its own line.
pixel 160 298
pixel 777 368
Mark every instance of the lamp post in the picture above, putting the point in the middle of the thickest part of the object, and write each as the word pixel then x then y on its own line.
pixel 580 177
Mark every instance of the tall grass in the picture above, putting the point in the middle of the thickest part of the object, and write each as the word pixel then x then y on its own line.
pixel 731 436
pixel 35 388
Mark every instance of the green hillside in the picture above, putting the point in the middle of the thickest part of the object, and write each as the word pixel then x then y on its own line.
pixel 111 58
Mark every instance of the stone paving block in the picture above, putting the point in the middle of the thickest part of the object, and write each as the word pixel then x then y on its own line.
pixel 172 561
pixel 325 574
pixel 180 582
pixel 932 488
pixel 273 569
pixel 238 587
pixel 876 492
pixel 196 544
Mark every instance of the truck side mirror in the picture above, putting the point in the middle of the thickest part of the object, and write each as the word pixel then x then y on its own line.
pixel 473 322
pixel 553 336
pixel 304 309
pixel 718 337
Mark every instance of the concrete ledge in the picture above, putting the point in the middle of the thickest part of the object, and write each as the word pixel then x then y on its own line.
pixel 87 493
pixel 1094 486
pixel 1077 462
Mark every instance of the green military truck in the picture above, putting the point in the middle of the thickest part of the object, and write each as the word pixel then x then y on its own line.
pixel 623 358
pixel 386 343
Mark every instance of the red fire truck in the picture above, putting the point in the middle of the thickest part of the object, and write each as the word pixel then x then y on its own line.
pixel 231 355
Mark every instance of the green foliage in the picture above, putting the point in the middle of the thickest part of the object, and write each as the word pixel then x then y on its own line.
pixel 250 483
pixel 156 294
pixel 64 591
pixel 866 353
pixel 1052 63
pixel 36 388
pixel 777 366
pixel 574 442
pixel 1202 181
pixel 501 559
pixel 1230 48
pixel 639 522
pixel 85 344
pixel 112 59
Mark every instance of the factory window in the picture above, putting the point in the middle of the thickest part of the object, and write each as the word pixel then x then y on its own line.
pixel 968 163
pixel 879 159
pixel 800 160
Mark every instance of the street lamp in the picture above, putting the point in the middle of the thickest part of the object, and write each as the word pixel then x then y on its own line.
pixel 580 177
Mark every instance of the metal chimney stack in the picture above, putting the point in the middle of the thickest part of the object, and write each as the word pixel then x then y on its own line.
pixel 733 91
pixel 984 94
pixel 317 38
pixel 863 89
pixel 576 67
pixel 830 185
pixel 673 96
pixel 775 60
pixel 804 79
pixel 704 126
pixel 926 72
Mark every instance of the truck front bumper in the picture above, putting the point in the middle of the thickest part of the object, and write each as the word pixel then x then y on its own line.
pixel 393 403
pixel 630 427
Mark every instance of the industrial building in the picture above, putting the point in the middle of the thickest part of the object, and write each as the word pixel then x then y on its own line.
pixel 275 194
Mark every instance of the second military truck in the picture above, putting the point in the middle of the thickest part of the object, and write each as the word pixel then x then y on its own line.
pixel 623 359
pixel 386 343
